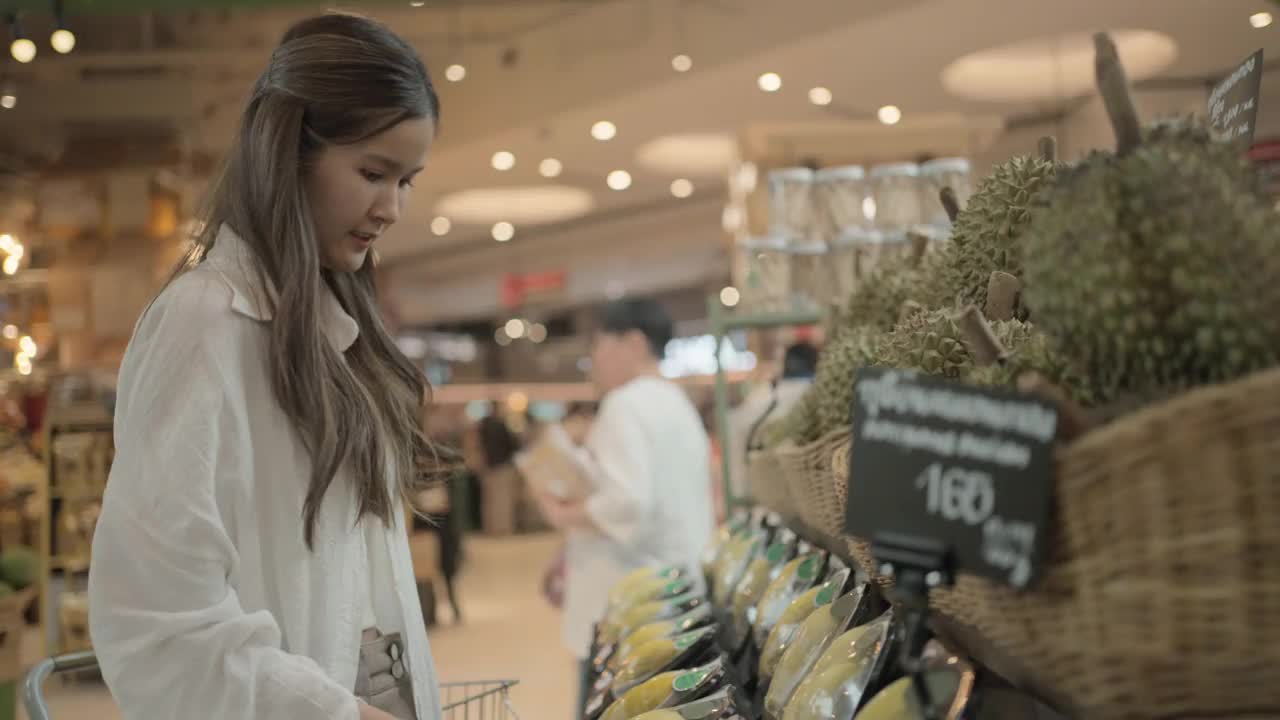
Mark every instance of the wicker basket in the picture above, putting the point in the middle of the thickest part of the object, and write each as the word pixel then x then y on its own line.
pixel 859 548
pixel 768 482
pixel 1162 593
pixel 813 485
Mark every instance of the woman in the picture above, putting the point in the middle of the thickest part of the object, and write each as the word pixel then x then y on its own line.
pixel 251 560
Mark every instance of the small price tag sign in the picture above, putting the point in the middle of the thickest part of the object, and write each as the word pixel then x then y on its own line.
pixel 1233 104
pixel 968 467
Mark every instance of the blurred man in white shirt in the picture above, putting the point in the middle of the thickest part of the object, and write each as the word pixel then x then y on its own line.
pixel 648 455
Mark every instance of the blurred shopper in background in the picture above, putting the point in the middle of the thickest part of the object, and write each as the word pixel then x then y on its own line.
pixel 251 560
pixel 647 453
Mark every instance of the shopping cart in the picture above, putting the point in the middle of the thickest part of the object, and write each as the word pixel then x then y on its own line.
pixel 475 700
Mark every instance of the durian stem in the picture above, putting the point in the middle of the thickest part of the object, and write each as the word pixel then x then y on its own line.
pixel 1049 149
pixel 919 246
pixel 1073 421
pixel 1114 88
pixel 950 202
pixel 983 343
pixel 1002 296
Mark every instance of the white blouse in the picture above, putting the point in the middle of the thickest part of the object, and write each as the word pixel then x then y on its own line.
pixel 204 599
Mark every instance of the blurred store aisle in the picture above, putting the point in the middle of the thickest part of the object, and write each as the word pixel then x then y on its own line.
pixel 510 632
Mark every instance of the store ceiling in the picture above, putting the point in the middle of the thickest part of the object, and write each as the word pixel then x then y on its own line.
pixel 540 73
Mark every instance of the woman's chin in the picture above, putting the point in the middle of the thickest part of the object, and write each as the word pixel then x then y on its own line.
pixel 347 262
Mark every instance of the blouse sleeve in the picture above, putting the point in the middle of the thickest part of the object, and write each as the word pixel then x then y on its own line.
pixel 169 631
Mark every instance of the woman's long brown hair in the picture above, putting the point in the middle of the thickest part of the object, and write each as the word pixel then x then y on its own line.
pixel 334 79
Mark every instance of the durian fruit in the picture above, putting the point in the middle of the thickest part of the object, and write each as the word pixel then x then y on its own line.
pixel 987 234
pixel 833 382
pixel 879 298
pixel 1155 268
pixel 931 342
pixel 1030 350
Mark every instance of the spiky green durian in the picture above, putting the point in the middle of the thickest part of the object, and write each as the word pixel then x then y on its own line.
pixel 833 383
pixel 1156 268
pixel 929 341
pixel 986 234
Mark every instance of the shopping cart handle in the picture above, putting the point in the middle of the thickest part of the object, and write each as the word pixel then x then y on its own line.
pixel 33 695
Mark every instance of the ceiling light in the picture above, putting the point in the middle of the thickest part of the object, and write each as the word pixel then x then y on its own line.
pixel 770 82
pixel 619 180
pixel 730 296
pixel 23 363
pixel 28 345
pixel 869 207
pixel 682 63
pixel 1015 72
pixel 820 96
pixel 455 72
pixel 500 336
pixel 503 160
pixel 10 332
pixel 1260 20
pixel 691 155
pixel 441 225
pixel 18 250
pixel 8 97
pixel 537 332
pixel 681 188
pixel 521 205
pixel 503 231
pixel 8 243
pixel 514 328
pixel 889 114
pixel 550 168
pixel 417 3
pixel 604 130
pixel 23 50
pixel 11 264
pixel 63 40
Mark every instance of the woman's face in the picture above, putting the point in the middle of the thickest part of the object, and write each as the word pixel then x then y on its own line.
pixel 357 191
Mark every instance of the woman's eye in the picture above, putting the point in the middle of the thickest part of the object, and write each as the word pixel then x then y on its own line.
pixel 406 183
pixel 371 176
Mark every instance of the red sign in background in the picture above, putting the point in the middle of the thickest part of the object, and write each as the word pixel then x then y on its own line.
pixel 520 288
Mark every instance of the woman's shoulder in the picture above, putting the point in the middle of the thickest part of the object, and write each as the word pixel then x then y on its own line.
pixel 195 308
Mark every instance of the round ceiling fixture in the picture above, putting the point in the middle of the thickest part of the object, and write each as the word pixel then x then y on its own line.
pixel 691 155
pixel 530 205
pixel 1053 66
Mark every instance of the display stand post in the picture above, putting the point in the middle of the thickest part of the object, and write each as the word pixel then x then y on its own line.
pixel 918 565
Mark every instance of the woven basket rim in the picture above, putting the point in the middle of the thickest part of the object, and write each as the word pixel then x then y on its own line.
pixel 1171 409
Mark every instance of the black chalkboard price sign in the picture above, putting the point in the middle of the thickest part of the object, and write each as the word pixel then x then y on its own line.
pixel 961 467
pixel 1233 103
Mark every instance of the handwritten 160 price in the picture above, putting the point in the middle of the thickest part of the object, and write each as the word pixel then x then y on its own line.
pixel 958 494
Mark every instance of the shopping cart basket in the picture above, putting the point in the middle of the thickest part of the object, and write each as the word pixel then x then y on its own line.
pixel 475 700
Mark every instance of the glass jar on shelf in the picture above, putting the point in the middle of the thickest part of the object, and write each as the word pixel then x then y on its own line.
pixel 842 194
pixel 812 278
pixel 791 205
pixel 766 275
pixel 955 173
pixel 895 193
